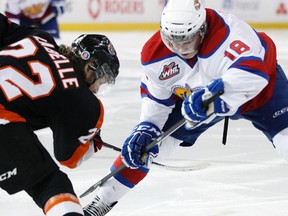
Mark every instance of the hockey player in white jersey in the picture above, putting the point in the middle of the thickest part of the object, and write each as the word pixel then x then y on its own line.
pixel 38 13
pixel 196 53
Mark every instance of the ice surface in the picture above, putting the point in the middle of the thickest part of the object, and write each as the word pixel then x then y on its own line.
pixel 244 178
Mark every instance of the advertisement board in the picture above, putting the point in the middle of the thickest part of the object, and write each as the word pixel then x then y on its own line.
pixel 145 14
pixel 112 14
pixel 254 11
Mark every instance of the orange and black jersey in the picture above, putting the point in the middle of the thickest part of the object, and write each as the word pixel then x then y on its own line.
pixel 40 87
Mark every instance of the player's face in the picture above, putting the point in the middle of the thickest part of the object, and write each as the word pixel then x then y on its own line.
pixel 99 83
pixel 186 48
pixel 90 78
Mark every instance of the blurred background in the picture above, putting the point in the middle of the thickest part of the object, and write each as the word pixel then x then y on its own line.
pixel 89 15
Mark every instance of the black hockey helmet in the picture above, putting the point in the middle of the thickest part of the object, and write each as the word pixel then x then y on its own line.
pixel 98 48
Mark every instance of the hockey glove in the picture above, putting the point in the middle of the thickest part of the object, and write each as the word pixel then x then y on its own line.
pixel 98 143
pixel 132 152
pixel 58 7
pixel 192 107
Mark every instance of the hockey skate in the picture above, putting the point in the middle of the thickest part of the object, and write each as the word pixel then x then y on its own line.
pixel 97 208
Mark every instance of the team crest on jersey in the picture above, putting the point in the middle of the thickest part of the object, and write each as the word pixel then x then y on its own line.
pixel 169 71
pixel 184 92
pixel 34 10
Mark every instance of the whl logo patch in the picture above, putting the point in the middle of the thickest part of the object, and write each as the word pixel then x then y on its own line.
pixel 169 71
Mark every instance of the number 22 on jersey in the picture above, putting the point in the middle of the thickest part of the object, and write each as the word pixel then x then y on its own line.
pixel 14 83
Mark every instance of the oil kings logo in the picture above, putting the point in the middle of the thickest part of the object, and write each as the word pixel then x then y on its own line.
pixel 34 10
pixel 9 174
pixel 184 92
pixel 169 71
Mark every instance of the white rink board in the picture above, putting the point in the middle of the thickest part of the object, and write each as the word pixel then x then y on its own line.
pixel 149 11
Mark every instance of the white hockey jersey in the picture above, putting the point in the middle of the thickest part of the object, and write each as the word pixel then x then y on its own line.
pixel 244 58
pixel 35 10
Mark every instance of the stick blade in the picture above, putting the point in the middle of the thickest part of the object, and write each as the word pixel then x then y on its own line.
pixel 90 190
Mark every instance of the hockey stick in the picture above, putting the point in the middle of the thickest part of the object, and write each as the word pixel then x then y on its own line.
pixel 155 142
pixel 166 166
pixel 167 133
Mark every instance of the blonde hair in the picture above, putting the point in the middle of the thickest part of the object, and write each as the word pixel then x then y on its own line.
pixel 68 52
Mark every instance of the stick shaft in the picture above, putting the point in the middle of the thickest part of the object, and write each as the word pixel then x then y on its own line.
pixel 167 133
pixel 114 172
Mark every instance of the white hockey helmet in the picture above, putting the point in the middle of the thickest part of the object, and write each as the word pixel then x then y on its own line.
pixel 183 25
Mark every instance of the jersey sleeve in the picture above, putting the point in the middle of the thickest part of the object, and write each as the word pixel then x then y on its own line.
pixel 242 58
pixel 249 79
pixel 74 127
pixel 157 102
pixel 157 98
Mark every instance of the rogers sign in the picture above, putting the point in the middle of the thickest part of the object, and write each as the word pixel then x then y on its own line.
pixel 95 7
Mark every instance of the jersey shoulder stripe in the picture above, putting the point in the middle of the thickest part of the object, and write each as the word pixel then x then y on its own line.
pixel 253 65
pixel 270 64
pixel 7 116
pixel 218 33
pixel 166 102
pixel 154 50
